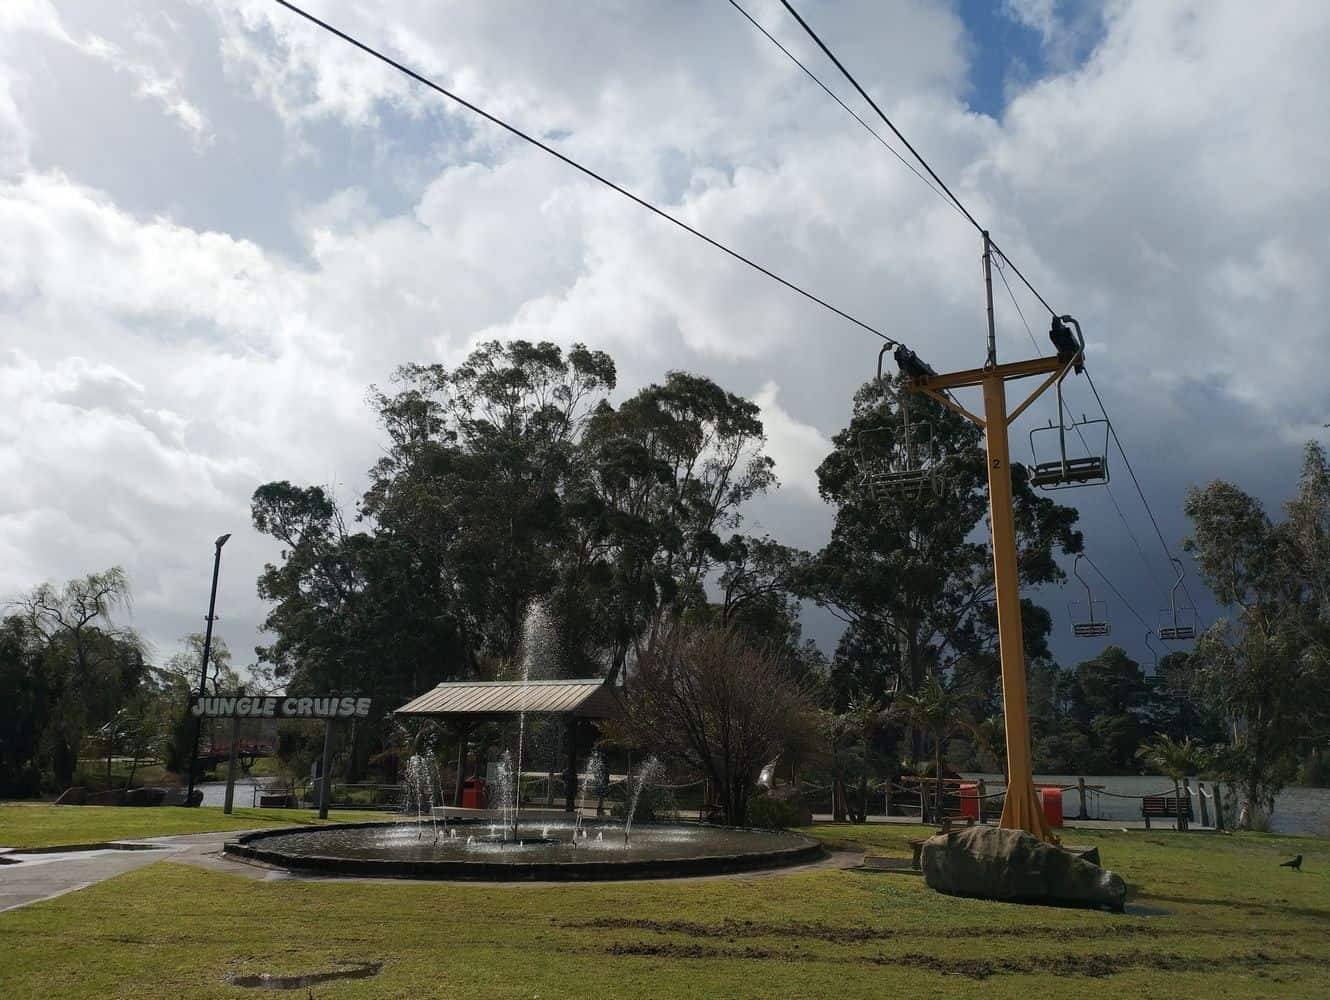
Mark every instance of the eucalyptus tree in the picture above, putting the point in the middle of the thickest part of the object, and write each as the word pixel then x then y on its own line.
pixel 88 664
pixel 1267 667
pixel 666 475
pixel 912 574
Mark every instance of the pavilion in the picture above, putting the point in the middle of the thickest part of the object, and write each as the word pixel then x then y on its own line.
pixel 465 704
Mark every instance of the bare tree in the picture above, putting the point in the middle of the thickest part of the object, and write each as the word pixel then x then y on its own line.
pixel 718 703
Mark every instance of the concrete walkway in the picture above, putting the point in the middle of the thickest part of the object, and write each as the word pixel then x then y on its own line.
pixel 45 874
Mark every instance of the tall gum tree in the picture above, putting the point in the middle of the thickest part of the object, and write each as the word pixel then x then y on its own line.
pixel 1267 665
pixel 912 576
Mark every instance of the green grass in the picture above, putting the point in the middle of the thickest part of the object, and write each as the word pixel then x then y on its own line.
pixel 1235 925
pixel 29 824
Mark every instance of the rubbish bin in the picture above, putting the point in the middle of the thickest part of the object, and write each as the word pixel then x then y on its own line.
pixel 970 800
pixel 1052 802
pixel 473 793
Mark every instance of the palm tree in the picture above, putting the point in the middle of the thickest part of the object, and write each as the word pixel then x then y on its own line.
pixel 990 737
pixel 1174 759
pixel 938 710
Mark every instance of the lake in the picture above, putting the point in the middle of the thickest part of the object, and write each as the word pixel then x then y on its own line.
pixel 1298 810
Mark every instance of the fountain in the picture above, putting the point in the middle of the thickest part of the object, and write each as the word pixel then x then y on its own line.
pixel 421 777
pixel 552 847
pixel 647 772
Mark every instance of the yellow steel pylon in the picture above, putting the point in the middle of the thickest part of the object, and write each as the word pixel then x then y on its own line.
pixel 1022 809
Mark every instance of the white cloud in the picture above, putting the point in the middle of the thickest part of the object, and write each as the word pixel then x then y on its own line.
pixel 153 81
pixel 797 448
pixel 1169 192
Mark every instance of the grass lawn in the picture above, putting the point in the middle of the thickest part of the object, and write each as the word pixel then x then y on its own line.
pixel 1235 925
pixel 39 824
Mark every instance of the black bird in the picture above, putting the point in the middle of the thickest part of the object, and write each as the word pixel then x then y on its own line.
pixel 1065 342
pixel 1295 864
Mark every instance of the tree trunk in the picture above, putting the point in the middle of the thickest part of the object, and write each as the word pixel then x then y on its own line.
pixel 63 758
pixel 937 775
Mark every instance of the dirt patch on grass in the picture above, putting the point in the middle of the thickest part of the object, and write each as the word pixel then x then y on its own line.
pixel 1092 965
pixel 834 934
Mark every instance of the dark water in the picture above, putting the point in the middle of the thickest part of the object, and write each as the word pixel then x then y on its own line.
pixel 546 842
pixel 1298 810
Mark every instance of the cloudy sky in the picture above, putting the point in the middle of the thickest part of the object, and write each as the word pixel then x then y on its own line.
pixel 219 225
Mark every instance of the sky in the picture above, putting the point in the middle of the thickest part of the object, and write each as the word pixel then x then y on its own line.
pixel 221 225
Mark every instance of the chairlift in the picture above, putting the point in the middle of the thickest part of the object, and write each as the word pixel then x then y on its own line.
pixel 1068 470
pixel 898 469
pixel 1153 652
pixel 906 466
pixel 1177 623
pixel 1096 625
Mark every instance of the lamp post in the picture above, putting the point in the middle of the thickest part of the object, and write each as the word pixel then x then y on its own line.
pixel 203 670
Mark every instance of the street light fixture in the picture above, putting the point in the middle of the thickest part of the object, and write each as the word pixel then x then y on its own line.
pixel 203 670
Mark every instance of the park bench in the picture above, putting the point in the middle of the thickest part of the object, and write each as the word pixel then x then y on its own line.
pixel 918 845
pixel 1164 807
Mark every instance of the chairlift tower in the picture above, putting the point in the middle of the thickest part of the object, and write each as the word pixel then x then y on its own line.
pixel 1022 809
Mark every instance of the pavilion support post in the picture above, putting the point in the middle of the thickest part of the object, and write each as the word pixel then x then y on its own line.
pixel 461 765
pixel 570 776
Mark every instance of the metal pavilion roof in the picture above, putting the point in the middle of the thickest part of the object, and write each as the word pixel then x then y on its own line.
pixel 587 698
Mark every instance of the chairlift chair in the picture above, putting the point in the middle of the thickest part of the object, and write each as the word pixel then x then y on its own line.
pixel 1068 470
pixel 898 469
pixel 905 467
pixel 1097 624
pixel 1153 652
pixel 1177 624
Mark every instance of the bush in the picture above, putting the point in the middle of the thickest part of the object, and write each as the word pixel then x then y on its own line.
pixel 1315 770
pixel 770 812
pixel 654 805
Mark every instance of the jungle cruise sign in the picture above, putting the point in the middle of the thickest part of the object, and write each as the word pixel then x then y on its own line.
pixel 279 706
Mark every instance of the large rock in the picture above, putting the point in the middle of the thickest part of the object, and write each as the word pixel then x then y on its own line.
pixel 145 796
pixel 76 795
pixel 985 862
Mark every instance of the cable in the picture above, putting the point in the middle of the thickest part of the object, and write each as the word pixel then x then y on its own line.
pixel 1117 593
pixel 924 163
pixel 368 50
pixel 1127 462
pixel 1149 570
pixel 949 202
pixel 1034 291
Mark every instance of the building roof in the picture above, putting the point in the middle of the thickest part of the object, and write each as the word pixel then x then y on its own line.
pixel 588 698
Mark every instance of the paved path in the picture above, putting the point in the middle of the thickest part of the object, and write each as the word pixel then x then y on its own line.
pixel 46 874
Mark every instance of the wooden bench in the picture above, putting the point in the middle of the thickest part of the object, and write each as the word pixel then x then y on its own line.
pixel 918 845
pixel 1164 807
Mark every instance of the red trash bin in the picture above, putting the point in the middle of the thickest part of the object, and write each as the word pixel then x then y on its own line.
pixel 970 800
pixel 1052 802
pixel 473 793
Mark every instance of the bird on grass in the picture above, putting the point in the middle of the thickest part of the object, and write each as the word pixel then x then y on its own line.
pixel 1295 864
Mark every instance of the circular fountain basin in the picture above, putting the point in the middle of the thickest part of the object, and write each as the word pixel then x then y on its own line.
pixel 544 851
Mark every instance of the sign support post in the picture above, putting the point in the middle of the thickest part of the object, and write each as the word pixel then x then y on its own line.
pixel 324 775
pixel 231 767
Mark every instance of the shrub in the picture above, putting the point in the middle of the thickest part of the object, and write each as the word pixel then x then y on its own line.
pixel 770 812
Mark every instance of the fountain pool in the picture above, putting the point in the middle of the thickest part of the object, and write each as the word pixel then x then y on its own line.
pixel 544 849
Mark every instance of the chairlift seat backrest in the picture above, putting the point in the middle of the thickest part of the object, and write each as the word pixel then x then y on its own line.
pixel 1083 471
pixel 1177 632
pixel 1089 630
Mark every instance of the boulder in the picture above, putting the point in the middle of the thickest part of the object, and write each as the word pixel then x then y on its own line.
pixel 145 796
pixel 110 797
pixel 985 862
pixel 75 796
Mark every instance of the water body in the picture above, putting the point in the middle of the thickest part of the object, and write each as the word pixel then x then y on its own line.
pixel 214 793
pixel 1298 810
